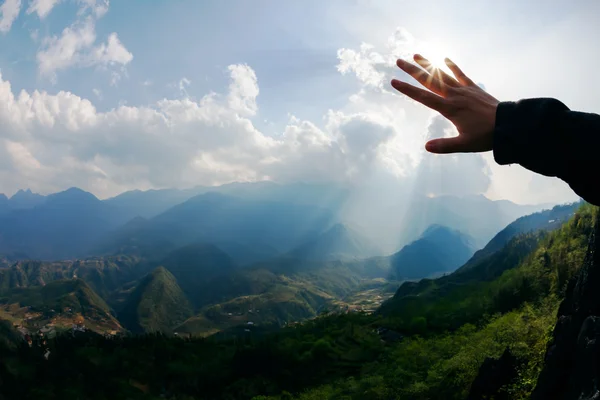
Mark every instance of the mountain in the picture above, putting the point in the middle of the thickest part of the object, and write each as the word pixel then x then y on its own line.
pixel 64 226
pixel 274 293
pixel 103 274
pixel 25 199
pixel 197 268
pixel 267 226
pixel 156 305
pixel 435 299
pixel 547 220
pixel 439 250
pixel 4 205
pixel 62 302
pixel 150 203
pixel 403 222
pixel 276 307
pixel 508 248
pixel 337 243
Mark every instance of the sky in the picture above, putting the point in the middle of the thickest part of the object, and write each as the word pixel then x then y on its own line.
pixel 138 94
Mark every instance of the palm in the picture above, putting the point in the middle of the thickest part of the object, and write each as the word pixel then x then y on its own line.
pixel 466 105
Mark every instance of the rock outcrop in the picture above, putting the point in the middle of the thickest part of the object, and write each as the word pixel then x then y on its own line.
pixel 493 375
pixel 572 365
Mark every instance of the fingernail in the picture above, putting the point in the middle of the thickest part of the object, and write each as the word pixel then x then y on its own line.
pixel 431 147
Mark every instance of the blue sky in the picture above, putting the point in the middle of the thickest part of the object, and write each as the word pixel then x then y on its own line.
pixel 124 90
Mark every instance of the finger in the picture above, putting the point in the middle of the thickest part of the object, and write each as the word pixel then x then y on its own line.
pixel 437 72
pixel 446 145
pixel 424 97
pixel 460 76
pixel 430 82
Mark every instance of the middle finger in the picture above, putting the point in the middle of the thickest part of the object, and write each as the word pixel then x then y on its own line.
pixel 429 81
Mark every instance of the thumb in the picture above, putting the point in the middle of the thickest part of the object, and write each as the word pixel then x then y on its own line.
pixel 446 145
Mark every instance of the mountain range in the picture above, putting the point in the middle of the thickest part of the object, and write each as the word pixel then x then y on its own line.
pixel 250 221
pixel 209 258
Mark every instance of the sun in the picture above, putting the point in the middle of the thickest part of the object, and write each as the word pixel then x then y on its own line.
pixel 436 52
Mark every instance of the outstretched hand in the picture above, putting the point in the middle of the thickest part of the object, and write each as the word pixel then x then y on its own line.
pixel 466 105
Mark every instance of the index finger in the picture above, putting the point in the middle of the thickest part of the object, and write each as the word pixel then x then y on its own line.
pixel 424 97
pixel 429 67
pixel 431 82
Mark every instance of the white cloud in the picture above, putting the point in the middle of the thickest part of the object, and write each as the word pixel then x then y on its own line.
pixel 243 89
pixel 9 11
pixel 184 83
pixel 97 92
pixel 75 48
pixel 66 141
pixel 97 7
pixel 42 7
pixel 112 52
pixel 373 67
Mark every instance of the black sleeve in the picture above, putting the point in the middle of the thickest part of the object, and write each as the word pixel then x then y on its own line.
pixel 544 136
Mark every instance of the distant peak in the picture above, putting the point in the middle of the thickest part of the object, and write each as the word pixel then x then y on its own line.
pixel 25 194
pixel 74 190
pixel 160 271
pixel 73 193
pixel 434 228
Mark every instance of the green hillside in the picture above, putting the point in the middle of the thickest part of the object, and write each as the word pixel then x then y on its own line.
pixel 156 305
pixel 436 339
pixel 491 283
pixel 59 303
pixel 102 274
pixel 73 293
pixel 275 293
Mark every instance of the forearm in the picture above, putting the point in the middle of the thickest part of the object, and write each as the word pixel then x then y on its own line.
pixel 544 136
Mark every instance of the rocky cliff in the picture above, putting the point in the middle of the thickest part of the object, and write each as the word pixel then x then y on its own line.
pixel 572 365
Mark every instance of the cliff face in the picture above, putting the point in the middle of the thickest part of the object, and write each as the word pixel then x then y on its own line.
pixel 572 365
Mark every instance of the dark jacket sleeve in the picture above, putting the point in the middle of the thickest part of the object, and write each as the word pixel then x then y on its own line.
pixel 544 136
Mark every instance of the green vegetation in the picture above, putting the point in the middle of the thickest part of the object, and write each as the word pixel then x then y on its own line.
pixel 428 342
pixel 74 294
pixel 156 305
pixel 102 274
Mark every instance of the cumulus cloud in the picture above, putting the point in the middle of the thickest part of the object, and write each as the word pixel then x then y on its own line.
pixel 182 142
pixel 243 89
pixel 76 46
pixel 372 66
pixel 96 7
pixel 9 11
pixel 42 7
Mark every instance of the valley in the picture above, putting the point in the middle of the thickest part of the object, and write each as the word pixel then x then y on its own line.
pixel 270 274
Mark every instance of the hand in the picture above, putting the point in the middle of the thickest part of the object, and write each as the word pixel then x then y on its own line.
pixel 466 105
